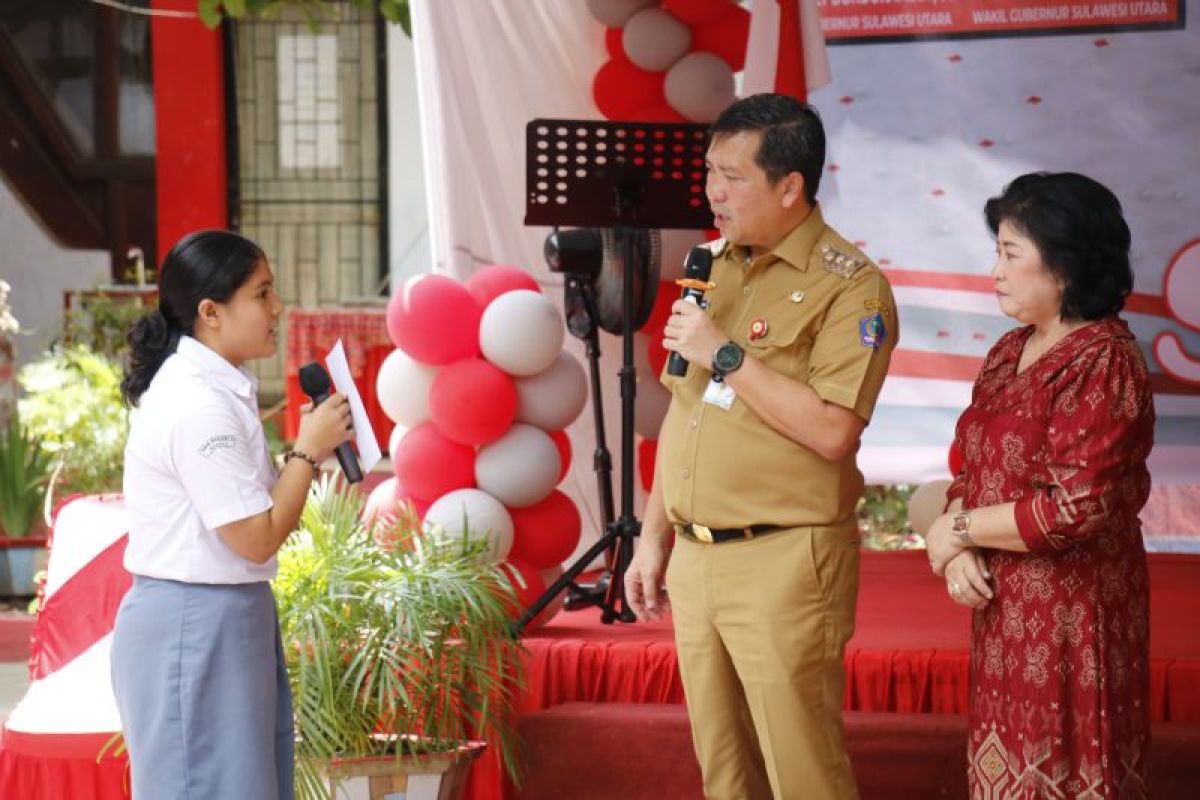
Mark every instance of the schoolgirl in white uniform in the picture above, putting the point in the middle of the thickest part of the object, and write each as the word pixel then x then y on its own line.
pixel 197 664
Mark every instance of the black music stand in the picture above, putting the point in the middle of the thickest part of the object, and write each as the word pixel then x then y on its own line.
pixel 612 175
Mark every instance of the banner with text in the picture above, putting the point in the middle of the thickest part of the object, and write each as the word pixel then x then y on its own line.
pixel 897 20
pixel 922 133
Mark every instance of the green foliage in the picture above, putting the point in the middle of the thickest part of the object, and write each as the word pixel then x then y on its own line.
pixel 409 642
pixel 883 518
pixel 34 607
pixel 73 405
pixel 102 325
pixel 276 444
pixel 25 470
pixel 211 12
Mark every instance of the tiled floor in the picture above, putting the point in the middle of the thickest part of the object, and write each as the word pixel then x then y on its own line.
pixel 14 679
pixel 14 657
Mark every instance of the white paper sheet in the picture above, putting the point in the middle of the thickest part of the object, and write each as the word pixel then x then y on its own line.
pixel 364 435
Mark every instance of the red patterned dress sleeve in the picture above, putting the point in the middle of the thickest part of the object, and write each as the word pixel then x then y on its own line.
pixel 1002 354
pixel 1101 422
pixel 956 490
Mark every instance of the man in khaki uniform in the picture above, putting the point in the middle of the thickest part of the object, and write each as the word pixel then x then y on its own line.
pixel 756 481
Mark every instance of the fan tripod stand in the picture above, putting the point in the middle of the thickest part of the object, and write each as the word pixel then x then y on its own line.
pixel 631 177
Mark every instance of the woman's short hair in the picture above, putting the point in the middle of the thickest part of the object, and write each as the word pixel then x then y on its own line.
pixel 1079 230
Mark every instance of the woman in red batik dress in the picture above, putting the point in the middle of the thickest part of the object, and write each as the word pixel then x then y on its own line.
pixel 1041 534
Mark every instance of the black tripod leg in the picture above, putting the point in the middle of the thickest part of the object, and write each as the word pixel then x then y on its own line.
pixel 564 580
pixel 615 605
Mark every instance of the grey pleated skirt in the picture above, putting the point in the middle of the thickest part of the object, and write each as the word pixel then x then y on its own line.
pixel 202 690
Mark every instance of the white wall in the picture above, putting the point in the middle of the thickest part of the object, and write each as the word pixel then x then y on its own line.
pixel 408 220
pixel 39 269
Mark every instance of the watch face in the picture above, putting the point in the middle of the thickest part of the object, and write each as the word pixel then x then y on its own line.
pixel 728 357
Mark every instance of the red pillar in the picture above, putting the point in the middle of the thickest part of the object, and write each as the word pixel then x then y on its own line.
pixel 189 108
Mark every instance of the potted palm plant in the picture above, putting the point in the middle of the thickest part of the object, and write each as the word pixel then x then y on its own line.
pixel 400 657
pixel 25 470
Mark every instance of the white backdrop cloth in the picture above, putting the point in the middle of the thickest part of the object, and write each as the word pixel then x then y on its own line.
pixel 920 134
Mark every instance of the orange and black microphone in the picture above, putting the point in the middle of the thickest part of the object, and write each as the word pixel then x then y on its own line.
pixel 696 270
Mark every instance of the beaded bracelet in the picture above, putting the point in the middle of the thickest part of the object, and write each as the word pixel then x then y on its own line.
pixel 312 462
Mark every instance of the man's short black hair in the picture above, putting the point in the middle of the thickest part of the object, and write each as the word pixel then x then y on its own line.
pixel 1080 233
pixel 793 138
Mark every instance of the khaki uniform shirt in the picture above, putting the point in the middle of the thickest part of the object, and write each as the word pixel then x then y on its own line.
pixel 816 310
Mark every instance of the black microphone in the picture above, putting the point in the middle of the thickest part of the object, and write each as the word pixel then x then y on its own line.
pixel 315 382
pixel 697 268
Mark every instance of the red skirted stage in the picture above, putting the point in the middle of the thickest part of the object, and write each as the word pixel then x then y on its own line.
pixel 909 652
pixel 909 655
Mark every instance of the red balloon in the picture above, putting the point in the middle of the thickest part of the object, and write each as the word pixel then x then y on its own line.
pixel 396 516
pixel 666 296
pixel 419 506
pixel 434 320
pixel 546 533
pixel 491 282
pixel 620 88
pixel 657 355
pixel 549 576
pixel 647 452
pixel 725 36
pixel 429 465
pixel 613 43
pixel 563 443
pixel 472 401
pixel 528 593
pixel 697 12
pixel 659 112
pixel 954 459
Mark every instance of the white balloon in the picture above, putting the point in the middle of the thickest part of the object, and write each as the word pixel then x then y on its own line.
pixel 699 86
pixel 394 440
pixel 521 332
pixel 675 246
pixel 520 468
pixel 554 397
pixel 654 39
pixel 650 408
pixel 381 502
pixel 613 13
pixel 402 387
pixel 484 515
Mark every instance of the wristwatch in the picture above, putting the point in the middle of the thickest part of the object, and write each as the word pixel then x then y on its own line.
pixel 962 528
pixel 726 359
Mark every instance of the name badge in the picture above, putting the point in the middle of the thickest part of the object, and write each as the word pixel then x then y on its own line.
pixel 719 394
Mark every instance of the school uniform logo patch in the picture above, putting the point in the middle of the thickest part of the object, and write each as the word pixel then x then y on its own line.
pixel 872 330
pixel 219 442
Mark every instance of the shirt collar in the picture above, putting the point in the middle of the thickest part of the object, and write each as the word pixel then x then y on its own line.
pixel 238 380
pixel 797 246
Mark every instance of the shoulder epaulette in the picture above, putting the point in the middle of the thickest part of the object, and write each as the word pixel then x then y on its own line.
pixel 840 263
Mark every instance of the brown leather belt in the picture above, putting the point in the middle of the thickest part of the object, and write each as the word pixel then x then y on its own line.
pixel 703 533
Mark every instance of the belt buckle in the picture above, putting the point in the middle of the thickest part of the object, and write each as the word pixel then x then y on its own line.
pixel 702 532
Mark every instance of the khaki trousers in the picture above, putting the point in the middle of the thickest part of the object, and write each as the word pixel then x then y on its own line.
pixel 760 629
